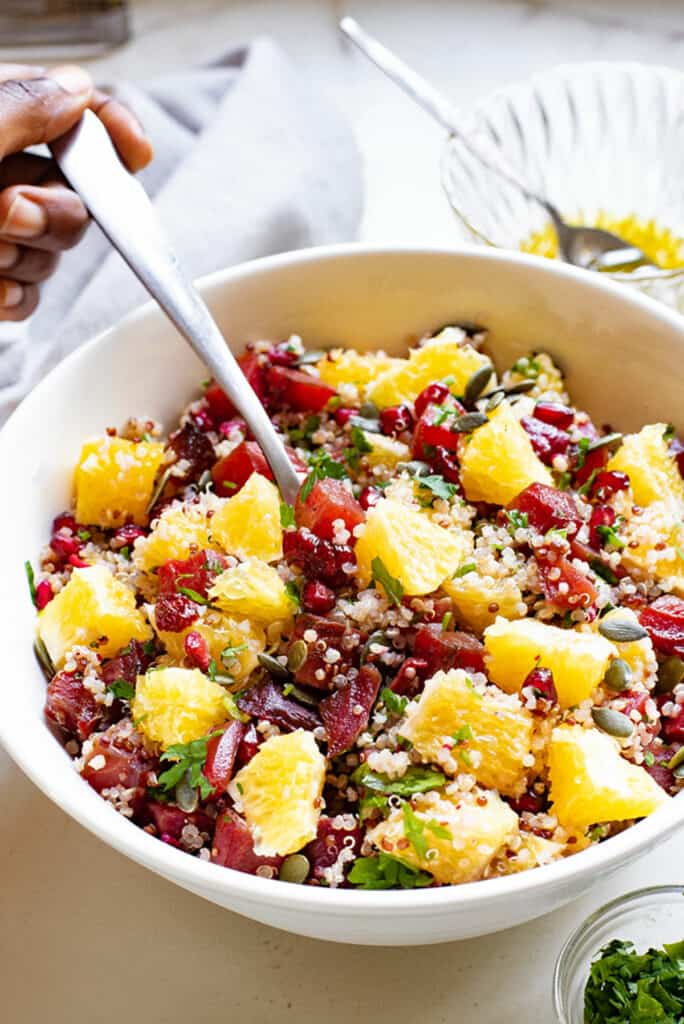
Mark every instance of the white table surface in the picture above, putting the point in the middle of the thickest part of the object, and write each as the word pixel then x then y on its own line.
pixel 86 935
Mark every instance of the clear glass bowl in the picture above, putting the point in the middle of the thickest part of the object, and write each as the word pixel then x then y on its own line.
pixel 648 917
pixel 596 139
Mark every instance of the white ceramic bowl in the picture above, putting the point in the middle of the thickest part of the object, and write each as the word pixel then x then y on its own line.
pixel 621 353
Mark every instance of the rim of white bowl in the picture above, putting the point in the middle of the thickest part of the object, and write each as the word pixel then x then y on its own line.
pixel 176 865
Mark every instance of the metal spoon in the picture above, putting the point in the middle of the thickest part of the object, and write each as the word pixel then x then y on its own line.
pixel 586 247
pixel 121 207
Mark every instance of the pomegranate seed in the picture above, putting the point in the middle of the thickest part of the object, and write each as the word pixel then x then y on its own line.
pixel 126 535
pixel 540 682
pixel 43 594
pixel 282 355
pixel 343 415
pixel 197 650
pixel 78 563
pixel 226 427
pixel 65 545
pixel 369 496
pixel 166 837
pixel 434 394
pixel 531 802
pixel 602 515
pixel 547 441
pixel 555 414
pixel 395 420
pixel 607 482
pixel 317 598
pixel 445 463
pixel 203 420
pixel 64 522
pixel 175 612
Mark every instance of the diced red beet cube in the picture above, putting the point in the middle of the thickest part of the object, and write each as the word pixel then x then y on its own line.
pixel 197 650
pixel 252 365
pixel 593 462
pixel 540 682
pixel 672 729
pixel 316 671
pixel 555 414
pixel 221 753
pixel 410 678
pixel 345 712
pixel 609 482
pixel 664 622
pixel 547 508
pixel 282 354
pixel 448 649
pixel 296 389
pixel 71 706
pixel 126 763
pixel 220 406
pixel 434 430
pixel 233 846
pixel 563 584
pixel 175 612
pixel 267 701
pixel 196 573
pixel 434 394
pixel 446 464
pixel 231 473
pixel 317 598
pixel 369 497
pixel 331 839
pixel 65 521
pixel 658 769
pixel 319 558
pixel 127 666
pixel 327 501
pixel 530 803
pixel 249 744
pixel 396 420
pixel 194 447
pixel 547 441
pixel 170 820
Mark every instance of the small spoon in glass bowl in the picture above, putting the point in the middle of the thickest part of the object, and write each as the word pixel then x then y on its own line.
pixel 590 248
pixel 124 212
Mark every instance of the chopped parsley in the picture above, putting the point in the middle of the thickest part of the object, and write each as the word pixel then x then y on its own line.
pixel 415 829
pixel 369 803
pixel 464 570
pixel 292 591
pixel 437 486
pixel 608 535
pixel 604 571
pixel 305 432
pixel 122 689
pixel 649 759
pixel 626 987
pixel 385 872
pixel 83 535
pixel 460 738
pixel 321 465
pixel 287 516
pixel 31 582
pixel 230 653
pixel 415 780
pixel 517 520
pixel 446 620
pixel 394 703
pixel 188 758
pixel 390 585
pixel 359 446
pixel 527 366
pixel 194 595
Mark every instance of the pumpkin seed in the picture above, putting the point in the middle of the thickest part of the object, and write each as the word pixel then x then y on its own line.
pixel 186 796
pixel 677 761
pixel 301 695
pixel 314 355
pixel 415 467
pixel 619 676
pixel 609 441
pixel 521 388
pixel 496 400
pixel 204 480
pixel 297 655
pixel 477 383
pixel 670 674
pixel 679 771
pixel 613 722
pixel 369 411
pixel 273 666
pixel 364 423
pixel 44 659
pixel 294 868
pixel 622 631
pixel 469 422
pixel 157 492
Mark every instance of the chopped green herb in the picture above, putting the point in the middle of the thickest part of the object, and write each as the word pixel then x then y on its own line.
pixel 437 486
pixel 188 758
pixel 463 734
pixel 233 710
pixel 414 830
pixel 581 453
pixel 193 595
pixel 321 465
pixel 604 571
pixel 359 446
pixel 394 703
pixel 385 872
pixel 372 802
pixel 438 830
pixel 518 520
pixel 588 483
pixel 626 987
pixel 464 570
pixel 149 648
pixel 230 653
pixel 292 591
pixel 31 582
pixel 305 432
pixel 122 689
pixel 460 738
pixel 610 538
pixel 669 432
pixel 287 516
pixel 416 779
pixel 446 620
pixel 228 484
pixel 390 585
pixel 84 535
pixel 527 366
pixel 649 759
pixel 125 551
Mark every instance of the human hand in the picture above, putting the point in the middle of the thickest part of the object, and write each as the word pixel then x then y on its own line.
pixel 39 214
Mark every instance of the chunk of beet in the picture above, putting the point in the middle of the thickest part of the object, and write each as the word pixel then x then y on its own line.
pixel 249 744
pixel 328 501
pixel 195 573
pixel 547 440
pixel 318 558
pixel 175 612
pixel 330 840
pixel 231 473
pixel 71 706
pixel 221 408
pixel 555 414
pixel 448 649
pixel 672 729
pixel 601 515
pixel 658 769
pixel 434 430
pixel 664 622
pixel 194 447
pixel 410 678
pixel 345 712
pixel 297 389
pixel 126 763
pixel 267 701
pixel 564 585
pixel 233 846
pixel 608 482
pixel 590 463
pixel 315 670
pixel 530 803
pixel 542 687
pixel 221 753
pixel 547 508
pixel 128 664
pixel 170 820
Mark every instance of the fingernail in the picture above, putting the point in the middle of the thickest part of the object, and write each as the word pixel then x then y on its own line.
pixel 72 78
pixel 11 294
pixel 25 219
pixel 9 254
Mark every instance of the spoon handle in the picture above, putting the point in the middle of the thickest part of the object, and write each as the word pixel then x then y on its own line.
pixel 435 103
pixel 121 207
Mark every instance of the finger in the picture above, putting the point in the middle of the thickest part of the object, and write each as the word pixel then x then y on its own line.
pixel 50 217
pixel 124 129
pixel 8 71
pixel 28 266
pixel 17 301
pixel 36 110
pixel 27 169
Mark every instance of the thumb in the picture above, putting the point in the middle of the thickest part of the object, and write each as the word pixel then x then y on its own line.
pixel 36 110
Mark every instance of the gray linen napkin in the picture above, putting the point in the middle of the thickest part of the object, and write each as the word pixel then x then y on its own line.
pixel 249 160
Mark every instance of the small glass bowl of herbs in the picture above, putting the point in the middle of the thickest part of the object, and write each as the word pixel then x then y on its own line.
pixel 625 963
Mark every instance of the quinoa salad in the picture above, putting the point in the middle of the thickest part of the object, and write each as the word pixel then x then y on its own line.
pixel 460 655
